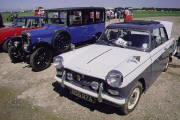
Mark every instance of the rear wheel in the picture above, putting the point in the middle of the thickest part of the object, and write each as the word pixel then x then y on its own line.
pixel 167 64
pixel 134 97
pixel 62 42
pixel 96 37
pixel 41 59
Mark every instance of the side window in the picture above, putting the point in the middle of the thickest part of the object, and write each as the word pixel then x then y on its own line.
pixel 99 16
pixel 88 17
pixel 35 23
pixel 21 22
pixel 75 18
pixel 163 35
pixel 43 21
pixel 156 38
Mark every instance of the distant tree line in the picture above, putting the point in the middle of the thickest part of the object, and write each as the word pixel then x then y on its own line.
pixel 158 9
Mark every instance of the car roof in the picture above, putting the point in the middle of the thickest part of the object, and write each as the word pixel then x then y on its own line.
pixel 137 24
pixel 76 8
pixel 31 17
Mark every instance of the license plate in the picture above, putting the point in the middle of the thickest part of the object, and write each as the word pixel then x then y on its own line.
pixel 83 96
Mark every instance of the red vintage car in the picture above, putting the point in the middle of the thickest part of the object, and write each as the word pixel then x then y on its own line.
pixel 19 25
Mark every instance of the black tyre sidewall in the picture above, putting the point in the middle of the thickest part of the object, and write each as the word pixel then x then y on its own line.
pixel 14 59
pixel 125 109
pixel 5 47
pixel 33 58
pixel 167 65
pixel 54 41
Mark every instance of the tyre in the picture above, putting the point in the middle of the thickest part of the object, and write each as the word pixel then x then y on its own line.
pixel 96 37
pixel 5 47
pixel 41 59
pixel 14 54
pixel 134 98
pixel 62 42
pixel 167 64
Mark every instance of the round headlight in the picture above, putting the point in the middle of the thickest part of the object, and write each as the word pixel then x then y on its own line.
pixel 114 78
pixel 58 62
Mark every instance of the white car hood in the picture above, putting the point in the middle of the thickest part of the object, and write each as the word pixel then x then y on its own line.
pixel 99 60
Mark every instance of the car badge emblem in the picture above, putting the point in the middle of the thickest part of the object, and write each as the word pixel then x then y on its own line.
pixel 78 77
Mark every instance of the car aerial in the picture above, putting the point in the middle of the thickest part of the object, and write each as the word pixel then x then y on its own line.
pixel 66 26
pixel 1 21
pixel 16 28
pixel 122 65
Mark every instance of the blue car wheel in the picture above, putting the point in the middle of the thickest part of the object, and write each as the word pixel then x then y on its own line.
pixel 62 42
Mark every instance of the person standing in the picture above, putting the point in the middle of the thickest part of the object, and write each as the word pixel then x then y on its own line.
pixel 108 16
pixel 127 16
pixel 119 15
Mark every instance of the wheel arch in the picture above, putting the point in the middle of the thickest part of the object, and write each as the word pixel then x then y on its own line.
pixel 143 82
pixel 55 35
pixel 60 31
pixel 44 44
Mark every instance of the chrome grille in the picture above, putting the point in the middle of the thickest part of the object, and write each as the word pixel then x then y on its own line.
pixel 84 79
pixel 25 38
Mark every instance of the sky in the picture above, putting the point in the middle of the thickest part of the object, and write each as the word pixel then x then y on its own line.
pixel 10 5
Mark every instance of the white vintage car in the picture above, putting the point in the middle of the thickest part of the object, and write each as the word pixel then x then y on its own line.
pixel 121 66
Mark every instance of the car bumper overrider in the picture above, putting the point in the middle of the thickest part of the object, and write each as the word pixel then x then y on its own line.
pixel 100 96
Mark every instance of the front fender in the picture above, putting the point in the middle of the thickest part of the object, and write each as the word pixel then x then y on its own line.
pixel 11 40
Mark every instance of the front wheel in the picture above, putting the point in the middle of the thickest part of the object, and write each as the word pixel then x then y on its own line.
pixel 5 47
pixel 41 59
pixel 14 54
pixel 134 97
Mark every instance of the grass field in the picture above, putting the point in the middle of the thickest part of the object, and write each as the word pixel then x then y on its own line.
pixel 6 15
pixel 137 14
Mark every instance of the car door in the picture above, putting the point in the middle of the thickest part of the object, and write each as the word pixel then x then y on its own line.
pixel 88 24
pixel 75 26
pixel 158 54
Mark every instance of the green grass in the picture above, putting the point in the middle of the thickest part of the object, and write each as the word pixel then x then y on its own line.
pixel 6 15
pixel 138 14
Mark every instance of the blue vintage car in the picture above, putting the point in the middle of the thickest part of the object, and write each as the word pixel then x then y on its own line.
pixel 66 26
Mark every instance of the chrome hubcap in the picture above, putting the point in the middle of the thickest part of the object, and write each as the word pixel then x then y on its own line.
pixel 134 98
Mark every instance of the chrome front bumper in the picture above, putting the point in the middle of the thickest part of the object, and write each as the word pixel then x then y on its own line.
pixel 100 95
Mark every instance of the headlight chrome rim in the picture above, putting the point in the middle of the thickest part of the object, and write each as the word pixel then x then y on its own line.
pixel 114 78
pixel 58 62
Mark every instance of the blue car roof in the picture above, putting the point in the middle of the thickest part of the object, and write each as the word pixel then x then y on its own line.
pixel 31 17
pixel 137 24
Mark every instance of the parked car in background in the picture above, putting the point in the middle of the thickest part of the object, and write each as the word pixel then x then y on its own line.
pixel 66 26
pixel 39 11
pixel 1 21
pixel 121 66
pixel 19 25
